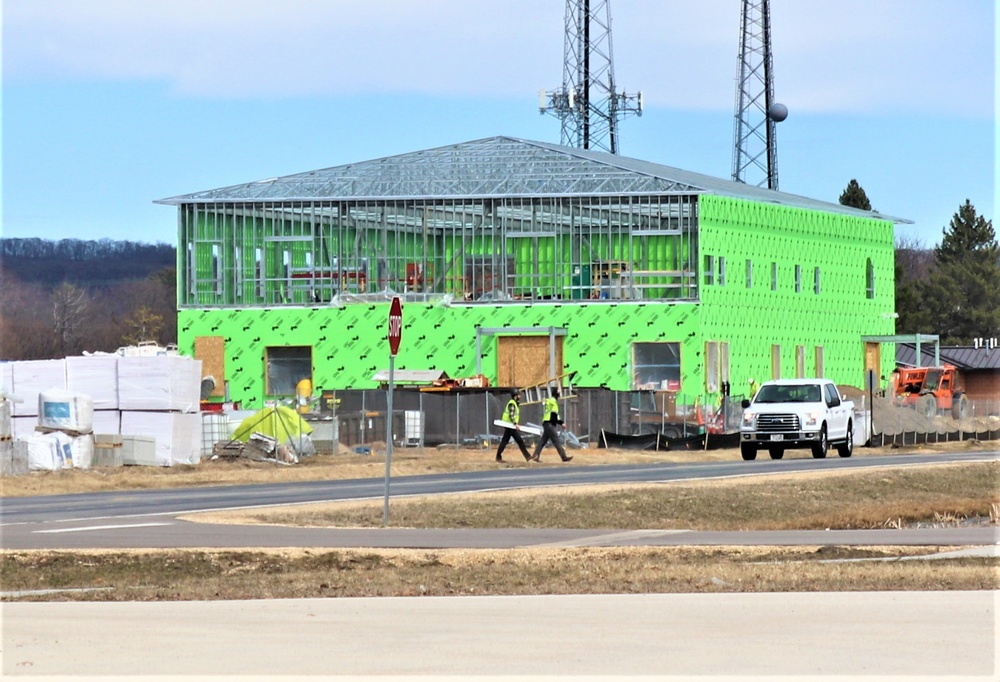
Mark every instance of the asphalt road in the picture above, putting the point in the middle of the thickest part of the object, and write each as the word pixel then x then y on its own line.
pixel 150 518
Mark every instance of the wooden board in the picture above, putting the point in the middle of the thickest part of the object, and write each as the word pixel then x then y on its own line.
pixel 524 360
pixel 211 350
pixel 524 428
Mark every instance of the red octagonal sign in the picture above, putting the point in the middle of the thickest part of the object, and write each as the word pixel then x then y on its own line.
pixel 395 325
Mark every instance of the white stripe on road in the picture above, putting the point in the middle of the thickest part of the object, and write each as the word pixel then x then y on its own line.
pixel 610 538
pixel 83 528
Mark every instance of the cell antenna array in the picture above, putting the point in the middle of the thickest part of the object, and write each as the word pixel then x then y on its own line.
pixel 587 104
pixel 755 158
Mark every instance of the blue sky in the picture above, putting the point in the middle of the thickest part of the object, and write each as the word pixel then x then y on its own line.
pixel 109 105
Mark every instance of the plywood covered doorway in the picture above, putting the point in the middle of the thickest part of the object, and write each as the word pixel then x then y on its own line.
pixel 873 359
pixel 524 360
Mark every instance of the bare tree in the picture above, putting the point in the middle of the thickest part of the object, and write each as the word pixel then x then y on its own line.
pixel 69 313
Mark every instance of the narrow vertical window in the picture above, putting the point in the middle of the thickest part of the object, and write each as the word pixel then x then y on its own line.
pixel 722 271
pixel 819 362
pixel 711 366
pixel 816 281
pixel 749 274
pixel 191 274
pixel 800 362
pixel 775 361
pixel 709 270
pixel 258 267
pixel 774 276
pixel 869 279
pixel 798 279
pixel 217 268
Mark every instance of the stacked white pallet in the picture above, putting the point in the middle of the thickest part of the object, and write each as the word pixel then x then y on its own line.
pixel 160 396
pixel 31 377
pixel 144 398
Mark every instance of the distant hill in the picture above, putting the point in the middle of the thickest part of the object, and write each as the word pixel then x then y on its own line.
pixel 87 264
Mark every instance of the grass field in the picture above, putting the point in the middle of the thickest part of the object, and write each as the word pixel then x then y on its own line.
pixel 937 494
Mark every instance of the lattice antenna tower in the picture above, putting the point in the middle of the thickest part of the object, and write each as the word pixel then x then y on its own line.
pixel 755 157
pixel 588 104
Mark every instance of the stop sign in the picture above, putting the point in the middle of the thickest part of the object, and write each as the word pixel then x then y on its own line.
pixel 395 325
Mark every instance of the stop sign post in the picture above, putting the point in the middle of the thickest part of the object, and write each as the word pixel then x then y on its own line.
pixel 395 325
pixel 395 335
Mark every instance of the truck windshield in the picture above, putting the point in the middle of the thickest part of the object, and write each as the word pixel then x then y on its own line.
pixel 789 394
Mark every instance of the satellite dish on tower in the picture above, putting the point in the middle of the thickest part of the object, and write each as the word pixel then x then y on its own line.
pixel 778 112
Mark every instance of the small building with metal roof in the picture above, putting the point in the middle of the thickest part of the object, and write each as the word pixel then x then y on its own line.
pixel 633 275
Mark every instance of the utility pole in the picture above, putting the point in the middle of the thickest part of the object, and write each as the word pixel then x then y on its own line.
pixel 588 104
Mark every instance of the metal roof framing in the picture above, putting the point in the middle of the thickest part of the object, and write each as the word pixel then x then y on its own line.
pixel 499 167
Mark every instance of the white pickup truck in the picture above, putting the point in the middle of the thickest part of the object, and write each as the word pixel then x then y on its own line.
pixel 797 413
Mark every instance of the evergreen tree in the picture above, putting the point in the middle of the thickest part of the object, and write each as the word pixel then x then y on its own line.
pixel 962 295
pixel 855 196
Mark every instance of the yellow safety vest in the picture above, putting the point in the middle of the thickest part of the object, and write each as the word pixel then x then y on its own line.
pixel 551 406
pixel 513 412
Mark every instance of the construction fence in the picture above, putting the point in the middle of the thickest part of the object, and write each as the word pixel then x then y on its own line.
pixel 465 418
pixel 896 424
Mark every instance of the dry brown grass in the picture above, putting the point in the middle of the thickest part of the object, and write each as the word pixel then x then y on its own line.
pixel 849 499
pixel 279 574
pixel 842 500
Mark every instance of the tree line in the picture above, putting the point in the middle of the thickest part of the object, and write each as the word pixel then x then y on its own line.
pixel 952 290
pixel 73 296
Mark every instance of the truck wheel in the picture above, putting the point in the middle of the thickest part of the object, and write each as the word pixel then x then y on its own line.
pixel 960 407
pixel 819 450
pixel 847 447
pixel 776 452
pixel 928 406
pixel 748 451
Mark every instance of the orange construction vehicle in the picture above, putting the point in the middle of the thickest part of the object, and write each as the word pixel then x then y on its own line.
pixel 931 390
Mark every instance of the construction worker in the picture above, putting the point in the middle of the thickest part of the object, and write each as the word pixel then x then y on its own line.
pixel 754 387
pixel 550 420
pixel 513 415
pixel 303 395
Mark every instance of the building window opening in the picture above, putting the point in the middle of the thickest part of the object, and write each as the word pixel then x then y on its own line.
pixel 286 366
pixel 656 366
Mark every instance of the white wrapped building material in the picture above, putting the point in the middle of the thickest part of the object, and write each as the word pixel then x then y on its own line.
pixel 177 434
pixel 31 377
pixel 169 382
pixel 81 450
pixel 107 421
pixel 23 426
pixel 6 379
pixel 66 411
pixel 48 451
pixel 96 376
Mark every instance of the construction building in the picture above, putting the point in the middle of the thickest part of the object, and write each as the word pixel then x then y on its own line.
pixel 521 261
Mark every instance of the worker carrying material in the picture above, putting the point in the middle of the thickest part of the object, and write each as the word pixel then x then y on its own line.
pixel 513 415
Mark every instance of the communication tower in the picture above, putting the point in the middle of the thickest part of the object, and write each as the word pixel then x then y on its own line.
pixel 587 104
pixel 755 159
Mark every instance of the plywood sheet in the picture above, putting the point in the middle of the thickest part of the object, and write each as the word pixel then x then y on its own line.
pixel 524 360
pixel 211 350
